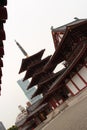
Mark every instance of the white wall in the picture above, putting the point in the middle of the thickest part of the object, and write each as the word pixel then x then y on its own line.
pixel 78 81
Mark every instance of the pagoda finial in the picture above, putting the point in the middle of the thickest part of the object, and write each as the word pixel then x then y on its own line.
pixel 21 48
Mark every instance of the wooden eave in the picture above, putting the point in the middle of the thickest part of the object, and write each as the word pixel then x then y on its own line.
pixel 39 77
pixel 38 66
pixel 72 31
pixel 78 25
pixel 63 28
pixel 67 71
pixel 47 83
pixel 56 54
pixel 47 96
pixel 36 111
pixel 75 52
pixel 26 62
pixel 35 79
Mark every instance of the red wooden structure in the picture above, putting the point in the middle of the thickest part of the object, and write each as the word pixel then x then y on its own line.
pixel 70 43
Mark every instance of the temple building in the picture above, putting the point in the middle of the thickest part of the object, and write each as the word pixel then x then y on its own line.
pixel 3 17
pixel 70 42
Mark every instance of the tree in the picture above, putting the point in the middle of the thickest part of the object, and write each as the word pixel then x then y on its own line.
pixel 13 128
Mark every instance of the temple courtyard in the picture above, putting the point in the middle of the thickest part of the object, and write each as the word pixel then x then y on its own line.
pixel 73 117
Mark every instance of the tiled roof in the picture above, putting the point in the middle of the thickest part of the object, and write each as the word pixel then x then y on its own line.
pixel 63 28
pixel 39 77
pixel 36 67
pixel 30 60
pixel 40 108
pixel 47 83
pixel 73 32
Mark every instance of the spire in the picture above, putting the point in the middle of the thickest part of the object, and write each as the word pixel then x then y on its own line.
pixel 21 48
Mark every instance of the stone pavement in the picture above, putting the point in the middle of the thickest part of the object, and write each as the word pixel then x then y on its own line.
pixel 72 118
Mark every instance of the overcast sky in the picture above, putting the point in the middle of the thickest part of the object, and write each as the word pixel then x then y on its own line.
pixel 29 22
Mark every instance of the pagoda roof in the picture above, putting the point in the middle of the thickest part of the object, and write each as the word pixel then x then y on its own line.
pixel 73 32
pixel 39 77
pixel 34 68
pixel 47 83
pixel 30 60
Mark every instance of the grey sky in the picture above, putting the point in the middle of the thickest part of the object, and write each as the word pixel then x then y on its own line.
pixel 29 22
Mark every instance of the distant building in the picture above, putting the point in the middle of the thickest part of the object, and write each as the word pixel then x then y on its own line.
pixel 2 126
pixel 28 93
pixel 21 118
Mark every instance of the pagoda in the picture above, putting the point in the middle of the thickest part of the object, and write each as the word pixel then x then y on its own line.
pixel 70 42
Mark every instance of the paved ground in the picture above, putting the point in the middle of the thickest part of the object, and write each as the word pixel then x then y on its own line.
pixel 73 118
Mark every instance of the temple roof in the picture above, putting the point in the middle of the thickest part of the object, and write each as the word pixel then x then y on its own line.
pixel 47 83
pixel 39 109
pixel 34 68
pixel 74 32
pixel 59 80
pixel 30 60
pixel 63 28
